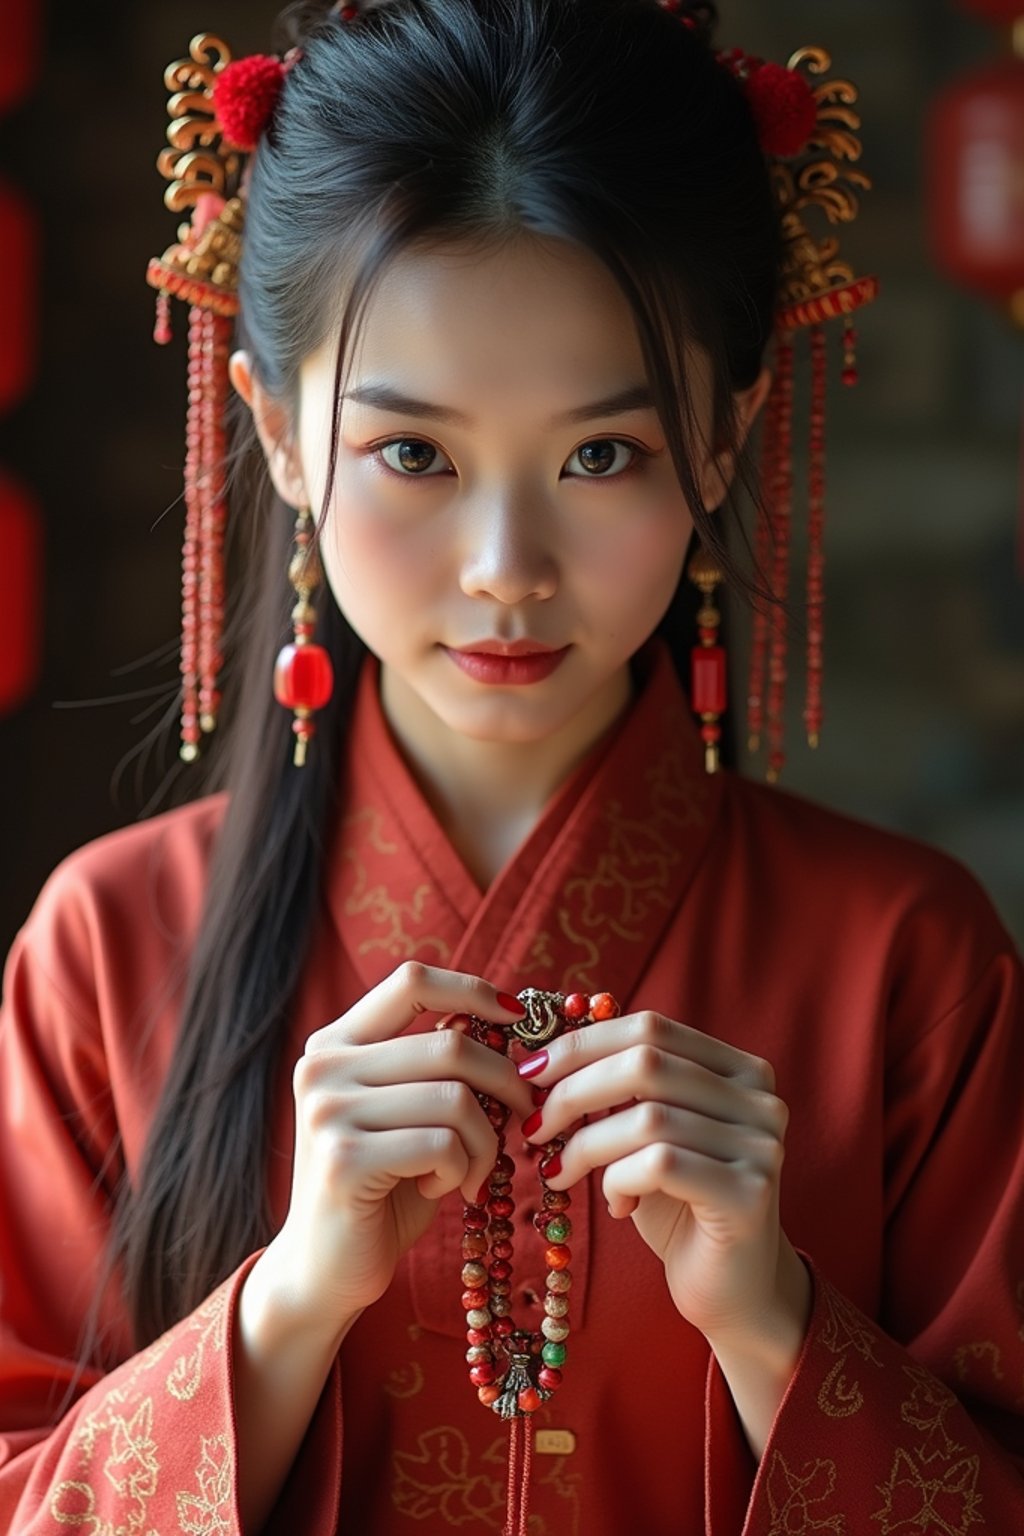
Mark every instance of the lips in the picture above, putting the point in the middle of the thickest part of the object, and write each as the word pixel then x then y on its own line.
pixel 506 648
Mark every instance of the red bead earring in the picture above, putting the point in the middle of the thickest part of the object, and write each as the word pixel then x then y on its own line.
pixel 708 671
pixel 304 674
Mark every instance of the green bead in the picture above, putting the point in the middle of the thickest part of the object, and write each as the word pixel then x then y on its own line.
pixel 558 1231
pixel 553 1354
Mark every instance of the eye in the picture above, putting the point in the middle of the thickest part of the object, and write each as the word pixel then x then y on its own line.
pixel 413 459
pixel 599 456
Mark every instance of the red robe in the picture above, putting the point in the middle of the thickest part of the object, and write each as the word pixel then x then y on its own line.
pixel 872 972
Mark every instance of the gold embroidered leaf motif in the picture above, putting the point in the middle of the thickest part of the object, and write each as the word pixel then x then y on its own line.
pixel 792 1495
pixel 837 1397
pixel 405 1381
pixel 132 1466
pixel 434 1482
pixel 845 1328
pixel 945 1504
pixel 209 1511
pixel 926 1409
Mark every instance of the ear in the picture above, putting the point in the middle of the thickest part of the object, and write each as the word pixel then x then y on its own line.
pixel 275 430
pixel 721 469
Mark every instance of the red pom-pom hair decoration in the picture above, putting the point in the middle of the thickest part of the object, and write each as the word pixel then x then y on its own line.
pixel 244 97
pixel 784 109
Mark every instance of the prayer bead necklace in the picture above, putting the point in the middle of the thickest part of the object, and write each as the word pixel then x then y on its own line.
pixel 514 1369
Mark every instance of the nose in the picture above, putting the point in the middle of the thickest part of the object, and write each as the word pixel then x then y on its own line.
pixel 508 551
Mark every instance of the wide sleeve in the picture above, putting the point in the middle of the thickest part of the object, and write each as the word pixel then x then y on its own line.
pixel 912 1422
pixel 149 1444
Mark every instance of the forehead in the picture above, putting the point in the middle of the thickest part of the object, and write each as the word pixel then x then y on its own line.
pixel 533 323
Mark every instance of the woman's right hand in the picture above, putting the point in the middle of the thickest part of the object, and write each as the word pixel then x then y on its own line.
pixel 386 1123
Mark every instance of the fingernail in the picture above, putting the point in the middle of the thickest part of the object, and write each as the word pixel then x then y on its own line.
pixel 530 1066
pixel 550 1167
pixel 482 1192
pixel 539 1094
pixel 532 1123
pixel 511 1004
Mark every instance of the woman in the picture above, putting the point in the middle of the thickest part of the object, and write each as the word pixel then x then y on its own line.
pixel 508 250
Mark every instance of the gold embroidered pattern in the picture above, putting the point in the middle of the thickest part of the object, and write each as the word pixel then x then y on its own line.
pixel 837 1397
pixel 629 886
pixel 436 1483
pixel 406 1381
pixel 926 1409
pixel 210 1510
pixel 391 919
pixel 122 1422
pixel 184 1379
pixel 792 1495
pixel 942 1505
pixel 131 1467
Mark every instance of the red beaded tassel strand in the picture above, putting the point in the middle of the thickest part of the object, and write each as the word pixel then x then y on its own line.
pixel 813 710
pixel 781 508
pixel 759 642
pixel 304 672
pixel 202 583
pixel 216 335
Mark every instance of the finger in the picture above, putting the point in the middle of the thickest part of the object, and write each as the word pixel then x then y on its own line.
pixel 452 1105
pixel 725 1196
pixel 577 1047
pixel 649 1074
pixel 443 1054
pixel 411 989
pixel 604 1142
pixel 378 1160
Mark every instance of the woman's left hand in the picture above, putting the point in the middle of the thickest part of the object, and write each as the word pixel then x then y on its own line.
pixel 692 1151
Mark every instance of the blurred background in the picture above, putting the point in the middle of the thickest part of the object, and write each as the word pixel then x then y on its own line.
pixel 924 650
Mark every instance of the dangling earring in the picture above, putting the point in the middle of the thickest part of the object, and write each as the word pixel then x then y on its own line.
pixel 708 674
pixel 303 674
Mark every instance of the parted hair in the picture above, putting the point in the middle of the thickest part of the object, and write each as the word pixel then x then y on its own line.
pixel 602 122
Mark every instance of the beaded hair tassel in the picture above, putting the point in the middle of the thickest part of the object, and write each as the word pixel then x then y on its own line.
pixel 514 1369
pixel 201 268
pixel 807 133
pixel 810 167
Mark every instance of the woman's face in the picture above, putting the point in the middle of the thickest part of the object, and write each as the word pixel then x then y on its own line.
pixel 498 499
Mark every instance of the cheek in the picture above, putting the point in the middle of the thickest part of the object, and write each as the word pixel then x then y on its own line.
pixel 375 561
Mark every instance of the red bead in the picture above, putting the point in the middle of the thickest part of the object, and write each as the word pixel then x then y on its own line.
pixel 303 677
pixel 478 1335
pixel 481 1375
pixel 501 1206
pixel 474 1217
pixel 576 1005
pixel 496 1039
pixel 500 1270
pixel 708 680
pixel 475 1298
pixel 529 1399
pixel 504 1167
pixel 502 1250
pixel 558 1257
pixel 603 1006
pixel 549 1378
pixel 489 1395
pixel 850 376
pixel 502 1327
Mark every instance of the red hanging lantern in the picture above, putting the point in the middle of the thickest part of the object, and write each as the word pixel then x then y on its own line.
pixel 976 175
pixel 976 165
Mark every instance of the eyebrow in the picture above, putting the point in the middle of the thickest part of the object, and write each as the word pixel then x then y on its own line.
pixel 384 397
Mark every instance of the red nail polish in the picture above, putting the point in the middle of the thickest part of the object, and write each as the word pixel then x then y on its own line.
pixel 483 1192
pixel 530 1066
pixel 512 1004
pixel 550 1167
pixel 532 1123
